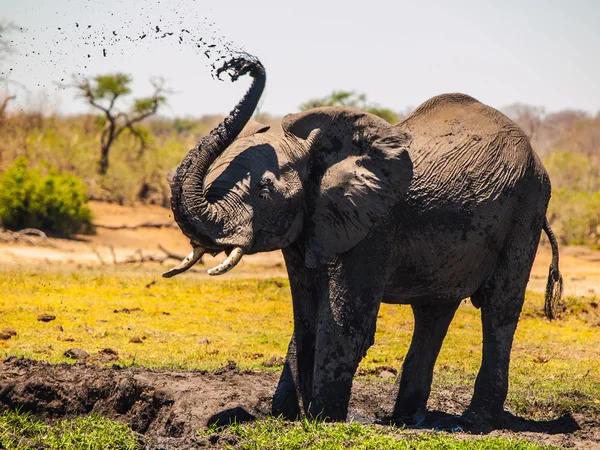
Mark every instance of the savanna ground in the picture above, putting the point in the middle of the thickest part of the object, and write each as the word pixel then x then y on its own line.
pixel 101 352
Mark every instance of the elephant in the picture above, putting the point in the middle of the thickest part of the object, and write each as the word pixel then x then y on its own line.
pixel 446 205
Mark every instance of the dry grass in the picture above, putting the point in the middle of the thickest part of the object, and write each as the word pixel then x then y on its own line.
pixel 188 323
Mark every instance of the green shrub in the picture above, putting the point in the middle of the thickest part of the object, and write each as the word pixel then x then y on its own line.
pixel 54 202
pixel 573 171
pixel 575 216
pixel 574 209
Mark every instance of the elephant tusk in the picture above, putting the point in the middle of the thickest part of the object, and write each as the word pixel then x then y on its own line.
pixel 187 262
pixel 234 257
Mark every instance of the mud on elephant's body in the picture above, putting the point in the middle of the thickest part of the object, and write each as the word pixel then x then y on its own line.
pixel 446 205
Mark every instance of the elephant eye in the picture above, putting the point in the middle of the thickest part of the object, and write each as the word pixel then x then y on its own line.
pixel 266 187
pixel 265 192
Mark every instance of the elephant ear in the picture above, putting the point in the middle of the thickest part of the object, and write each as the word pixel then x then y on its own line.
pixel 358 168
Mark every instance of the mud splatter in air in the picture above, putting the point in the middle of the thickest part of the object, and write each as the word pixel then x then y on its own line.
pixel 89 39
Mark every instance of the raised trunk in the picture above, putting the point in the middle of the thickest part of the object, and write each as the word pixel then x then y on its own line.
pixel 196 217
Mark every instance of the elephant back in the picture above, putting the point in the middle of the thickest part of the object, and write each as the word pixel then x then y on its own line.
pixel 468 152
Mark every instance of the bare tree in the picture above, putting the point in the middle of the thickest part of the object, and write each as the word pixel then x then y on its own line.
pixel 5 49
pixel 4 104
pixel 528 117
pixel 5 29
pixel 102 92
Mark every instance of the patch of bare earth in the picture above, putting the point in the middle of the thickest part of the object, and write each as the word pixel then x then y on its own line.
pixel 169 407
pixel 130 237
pixel 145 235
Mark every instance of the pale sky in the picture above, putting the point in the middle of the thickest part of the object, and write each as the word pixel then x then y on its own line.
pixel 399 53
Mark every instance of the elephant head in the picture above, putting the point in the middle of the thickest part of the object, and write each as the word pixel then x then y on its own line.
pixel 326 180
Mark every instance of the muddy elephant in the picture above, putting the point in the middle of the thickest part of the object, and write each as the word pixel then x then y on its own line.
pixel 448 204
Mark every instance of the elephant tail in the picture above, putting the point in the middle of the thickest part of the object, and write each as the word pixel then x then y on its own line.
pixel 554 287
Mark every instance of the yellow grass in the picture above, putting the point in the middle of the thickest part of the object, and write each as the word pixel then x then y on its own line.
pixel 202 324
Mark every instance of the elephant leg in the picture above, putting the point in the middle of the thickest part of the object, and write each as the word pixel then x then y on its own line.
pixel 346 320
pixel 431 325
pixel 501 299
pixel 285 399
pixel 339 348
pixel 295 383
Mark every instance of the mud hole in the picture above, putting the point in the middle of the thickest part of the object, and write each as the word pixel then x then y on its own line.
pixel 168 406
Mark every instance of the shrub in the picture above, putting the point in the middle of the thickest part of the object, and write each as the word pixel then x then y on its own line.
pixel 54 202
pixel 574 209
pixel 573 171
pixel 575 216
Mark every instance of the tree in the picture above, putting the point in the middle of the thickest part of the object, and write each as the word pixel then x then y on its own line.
pixel 4 104
pixel 351 98
pixel 102 92
pixel 528 117
pixel 5 49
pixel 5 29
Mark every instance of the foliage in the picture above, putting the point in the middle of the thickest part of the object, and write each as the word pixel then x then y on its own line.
pixel 274 434
pixel 575 205
pixel 102 92
pixel 576 216
pixel 21 431
pixel 573 171
pixel 70 144
pixel 567 141
pixel 55 202
pixel 110 86
pixel 351 98
pixel 195 324
pixel 386 114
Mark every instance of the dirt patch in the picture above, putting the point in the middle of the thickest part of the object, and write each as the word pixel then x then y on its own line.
pixel 168 407
pixel 150 228
pixel 149 231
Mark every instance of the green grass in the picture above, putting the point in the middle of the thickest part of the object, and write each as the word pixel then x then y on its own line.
pixel 272 434
pixel 21 431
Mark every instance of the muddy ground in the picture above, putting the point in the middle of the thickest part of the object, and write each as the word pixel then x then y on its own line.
pixel 168 407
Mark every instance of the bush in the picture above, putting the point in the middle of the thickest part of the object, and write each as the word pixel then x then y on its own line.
pixel 55 202
pixel 575 217
pixel 573 171
pixel 574 209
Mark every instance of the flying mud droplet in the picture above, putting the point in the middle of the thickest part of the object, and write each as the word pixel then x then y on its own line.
pixel 76 46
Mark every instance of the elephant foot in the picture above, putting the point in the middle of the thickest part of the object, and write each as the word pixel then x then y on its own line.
pixel 285 400
pixel 333 413
pixel 285 403
pixel 414 419
pixel 482 420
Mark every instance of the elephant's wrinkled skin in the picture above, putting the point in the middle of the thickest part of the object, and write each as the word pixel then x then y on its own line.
pixel 448 204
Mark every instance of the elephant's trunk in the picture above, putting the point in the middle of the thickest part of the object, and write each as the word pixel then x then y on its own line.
pixel 199 219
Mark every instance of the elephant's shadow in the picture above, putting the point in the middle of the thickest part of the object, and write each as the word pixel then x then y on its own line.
pixel 442 421
pixel 433 420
